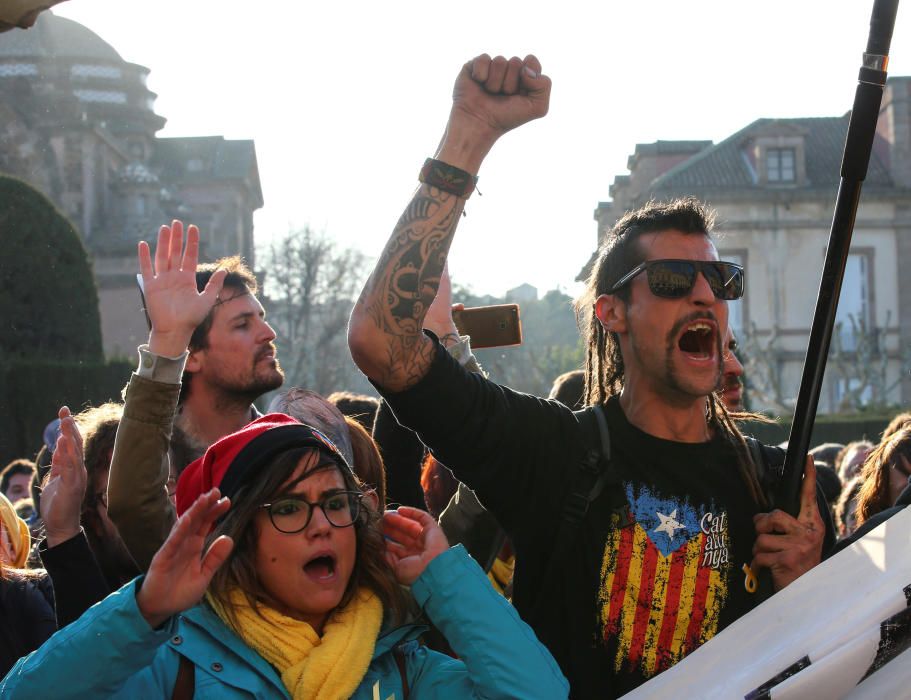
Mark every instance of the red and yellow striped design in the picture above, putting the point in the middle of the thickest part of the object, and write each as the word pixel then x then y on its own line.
pixel 659 608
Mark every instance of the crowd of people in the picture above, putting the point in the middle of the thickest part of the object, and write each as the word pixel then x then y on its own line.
pixel 454 538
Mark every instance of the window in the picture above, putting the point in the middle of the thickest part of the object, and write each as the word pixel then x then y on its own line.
pixel 780 165
pixel 82 70
pixel 101 96
pixel 11 70
pixel 853 303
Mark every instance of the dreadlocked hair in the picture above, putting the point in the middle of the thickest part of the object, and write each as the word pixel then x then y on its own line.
pixel 619 253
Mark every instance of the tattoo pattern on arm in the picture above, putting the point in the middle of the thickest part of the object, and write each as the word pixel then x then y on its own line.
pixel 405 282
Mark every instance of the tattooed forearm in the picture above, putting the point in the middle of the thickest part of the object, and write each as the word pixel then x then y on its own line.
pixel 405 282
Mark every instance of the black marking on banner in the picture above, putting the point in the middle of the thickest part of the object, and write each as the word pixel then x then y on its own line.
pixel 894 638
pixel 907 591
pixel 763 691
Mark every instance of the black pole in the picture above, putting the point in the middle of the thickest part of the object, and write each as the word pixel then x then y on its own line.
pixel 858 145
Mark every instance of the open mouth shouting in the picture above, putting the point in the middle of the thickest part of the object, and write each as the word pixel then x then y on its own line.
pixel 322 567
pixel 698 341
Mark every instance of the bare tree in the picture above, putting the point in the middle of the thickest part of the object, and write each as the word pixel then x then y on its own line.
pixel 860 360
pixel 311 285
pixel 857 360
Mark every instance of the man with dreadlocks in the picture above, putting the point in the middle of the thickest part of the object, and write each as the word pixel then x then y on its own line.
pixel 658 565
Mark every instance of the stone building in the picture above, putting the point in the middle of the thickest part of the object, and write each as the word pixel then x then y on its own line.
pixel 774 184
pixel 78 122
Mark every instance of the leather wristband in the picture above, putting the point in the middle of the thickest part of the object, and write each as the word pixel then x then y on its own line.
pixel 448 178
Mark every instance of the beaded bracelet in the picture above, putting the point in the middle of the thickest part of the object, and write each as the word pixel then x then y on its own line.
pixel 448 178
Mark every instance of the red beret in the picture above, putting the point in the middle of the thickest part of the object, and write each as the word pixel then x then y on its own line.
pixel 229 461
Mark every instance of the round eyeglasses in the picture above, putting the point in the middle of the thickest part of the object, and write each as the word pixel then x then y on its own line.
pixel 292 514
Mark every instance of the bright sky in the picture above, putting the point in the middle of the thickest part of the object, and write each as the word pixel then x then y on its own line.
pixel 346 99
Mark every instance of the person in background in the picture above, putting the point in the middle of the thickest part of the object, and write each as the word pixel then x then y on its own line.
pixel 292 586
pixel 885 475
pixel 569 389
pixel 311 408
pixel 731 388
pixel 27 615
pixel 826 453
pixel 16 479
pixel 849 461
pixel 361 407
pixel 846 508
pixel 899 421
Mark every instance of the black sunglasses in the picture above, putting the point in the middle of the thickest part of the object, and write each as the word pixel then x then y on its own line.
pixel 673 279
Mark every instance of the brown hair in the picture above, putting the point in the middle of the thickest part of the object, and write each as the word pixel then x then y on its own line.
pixel 98 426
pixel 874 494
pixel 239 278
pixel 847 507
pixel 361 407
pixel 902 420
pixel 368 464
pixel 620 253
pixel 370 570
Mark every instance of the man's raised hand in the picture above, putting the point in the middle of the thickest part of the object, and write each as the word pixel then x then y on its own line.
pixel 490 97
pixel 174 305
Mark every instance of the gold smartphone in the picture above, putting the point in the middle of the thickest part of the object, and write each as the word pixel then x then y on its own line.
pixel 490 326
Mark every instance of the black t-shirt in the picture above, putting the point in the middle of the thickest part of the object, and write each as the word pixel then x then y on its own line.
pixel 656 567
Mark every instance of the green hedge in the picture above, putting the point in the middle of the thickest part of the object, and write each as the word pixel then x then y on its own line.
pixel 31 392
pixel 48 300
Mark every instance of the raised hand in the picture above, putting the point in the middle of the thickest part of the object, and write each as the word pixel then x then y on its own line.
pixel 500 93
pixel 180 573
pixel 64 487
pixel 174 305
pixel 413 540
pixel 788 546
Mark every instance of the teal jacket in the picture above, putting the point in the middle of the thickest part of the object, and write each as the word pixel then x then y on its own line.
pixel 112 652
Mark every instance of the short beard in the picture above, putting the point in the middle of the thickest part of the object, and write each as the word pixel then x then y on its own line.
pixel 229 394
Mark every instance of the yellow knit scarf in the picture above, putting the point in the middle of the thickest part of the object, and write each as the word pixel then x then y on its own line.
pixel 325 668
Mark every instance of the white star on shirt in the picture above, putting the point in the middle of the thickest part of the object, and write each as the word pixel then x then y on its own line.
pixel 669 524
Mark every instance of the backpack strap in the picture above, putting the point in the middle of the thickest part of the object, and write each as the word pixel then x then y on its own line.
pixel 769 463
pixel 588 481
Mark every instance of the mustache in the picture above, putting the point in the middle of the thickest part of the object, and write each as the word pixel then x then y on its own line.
pixel 269 349
pixel 687 320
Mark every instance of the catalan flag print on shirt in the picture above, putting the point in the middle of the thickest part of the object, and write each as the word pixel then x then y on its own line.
pixel 663 581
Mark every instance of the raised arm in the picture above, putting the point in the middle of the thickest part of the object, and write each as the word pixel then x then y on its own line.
pixel 490 97
pixel 138 502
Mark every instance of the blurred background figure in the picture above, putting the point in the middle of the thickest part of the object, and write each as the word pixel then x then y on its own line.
pixel 885 475
pixel 27 616
pixel 569 389
pixel 16 479
pixel 851 459
pixel 731 388
pixel 361 407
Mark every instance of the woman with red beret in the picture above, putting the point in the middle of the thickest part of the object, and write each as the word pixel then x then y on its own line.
pixel 281 579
